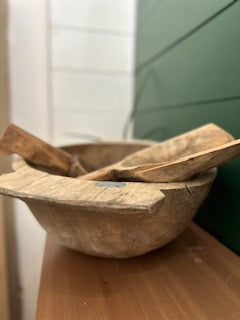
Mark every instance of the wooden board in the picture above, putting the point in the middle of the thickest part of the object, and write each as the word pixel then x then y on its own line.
pixel 194 277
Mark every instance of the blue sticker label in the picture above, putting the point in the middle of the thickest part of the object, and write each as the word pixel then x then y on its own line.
pixel 110 184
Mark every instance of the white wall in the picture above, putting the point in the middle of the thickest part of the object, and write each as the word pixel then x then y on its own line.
pixel 91 67
pixel 71 66
pixel 29 109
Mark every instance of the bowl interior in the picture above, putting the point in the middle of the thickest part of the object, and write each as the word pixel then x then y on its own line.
pixel 94 156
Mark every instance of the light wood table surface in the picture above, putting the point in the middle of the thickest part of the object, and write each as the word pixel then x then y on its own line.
pixel 193 278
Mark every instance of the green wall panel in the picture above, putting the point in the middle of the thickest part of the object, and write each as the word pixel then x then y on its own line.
pixel 146 9
pixel 157 18
pixel 174 121
pixel 205 66
pixel 195 82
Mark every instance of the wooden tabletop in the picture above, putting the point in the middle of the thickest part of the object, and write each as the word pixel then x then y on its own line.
pixel 194 277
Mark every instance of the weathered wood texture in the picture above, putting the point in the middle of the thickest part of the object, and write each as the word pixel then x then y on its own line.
pixel 87 153
pixel 194 277
pixel 38 152
pixel 177 159
pixel 182 169
pixel 105 218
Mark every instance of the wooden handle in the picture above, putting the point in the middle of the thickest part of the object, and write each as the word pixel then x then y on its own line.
pixel 183 168
pixel 191 142
pixel 36 151
pixel 134 166
pixel 104 174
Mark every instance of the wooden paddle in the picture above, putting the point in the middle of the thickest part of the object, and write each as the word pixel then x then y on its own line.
pixel 38 152
pixel 176 159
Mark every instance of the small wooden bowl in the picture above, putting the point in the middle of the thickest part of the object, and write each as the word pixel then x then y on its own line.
pixel 107 219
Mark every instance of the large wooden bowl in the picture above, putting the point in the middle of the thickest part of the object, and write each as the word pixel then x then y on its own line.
pixel 107 219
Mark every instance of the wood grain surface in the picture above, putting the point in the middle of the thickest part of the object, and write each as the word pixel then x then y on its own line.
pixel 194 277
pixel 176 159
pixel 38 152
pixel 107 219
